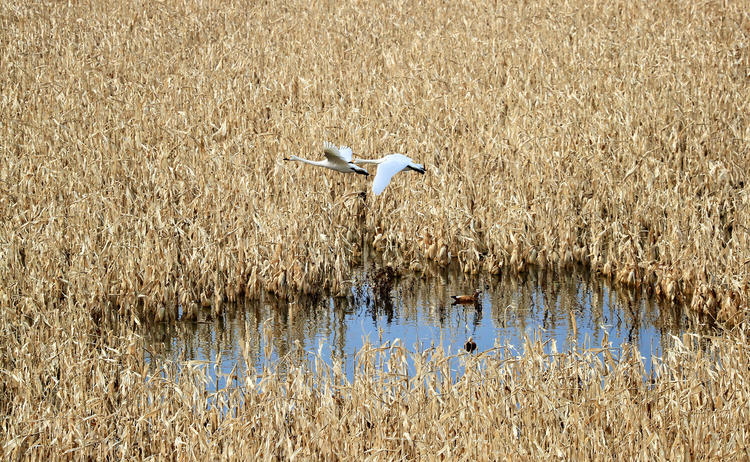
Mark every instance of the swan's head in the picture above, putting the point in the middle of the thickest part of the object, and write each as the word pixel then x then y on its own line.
pixel 417 168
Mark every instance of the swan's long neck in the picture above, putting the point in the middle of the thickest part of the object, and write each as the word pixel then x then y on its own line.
pixel 319 163
pixel 367 161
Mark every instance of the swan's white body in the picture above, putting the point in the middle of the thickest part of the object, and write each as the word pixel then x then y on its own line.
pixel 339 159
pixel 388 166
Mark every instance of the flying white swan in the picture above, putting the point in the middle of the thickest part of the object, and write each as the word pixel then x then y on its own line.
pixel 389 166
pixel 339 159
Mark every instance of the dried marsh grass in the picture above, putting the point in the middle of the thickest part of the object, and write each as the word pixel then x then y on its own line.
pixel 141 146
pixel 140 171
pixel 576 405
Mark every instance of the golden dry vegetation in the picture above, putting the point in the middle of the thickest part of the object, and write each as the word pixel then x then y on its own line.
pixel 140 170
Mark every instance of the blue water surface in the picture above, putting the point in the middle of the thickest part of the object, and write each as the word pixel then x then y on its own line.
pixel 574 309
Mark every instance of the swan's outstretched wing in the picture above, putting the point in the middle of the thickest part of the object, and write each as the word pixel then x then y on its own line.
pixel 334 154
pixel 389 167
pixel 346 153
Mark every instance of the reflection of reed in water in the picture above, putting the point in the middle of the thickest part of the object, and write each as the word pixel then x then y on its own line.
pixel 579 305
pixel 382 280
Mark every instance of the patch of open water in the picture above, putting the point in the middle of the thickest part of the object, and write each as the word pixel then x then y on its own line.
pixel 576 309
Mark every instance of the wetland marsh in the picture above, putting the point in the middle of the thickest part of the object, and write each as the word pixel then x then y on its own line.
pixel 143 188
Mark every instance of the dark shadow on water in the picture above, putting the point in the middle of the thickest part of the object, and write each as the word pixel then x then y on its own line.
pixel 575 309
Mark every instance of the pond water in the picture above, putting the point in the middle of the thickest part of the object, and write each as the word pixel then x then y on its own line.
pixel 575 309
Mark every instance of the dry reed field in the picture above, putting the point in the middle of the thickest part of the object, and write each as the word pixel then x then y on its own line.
pixel 141 173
